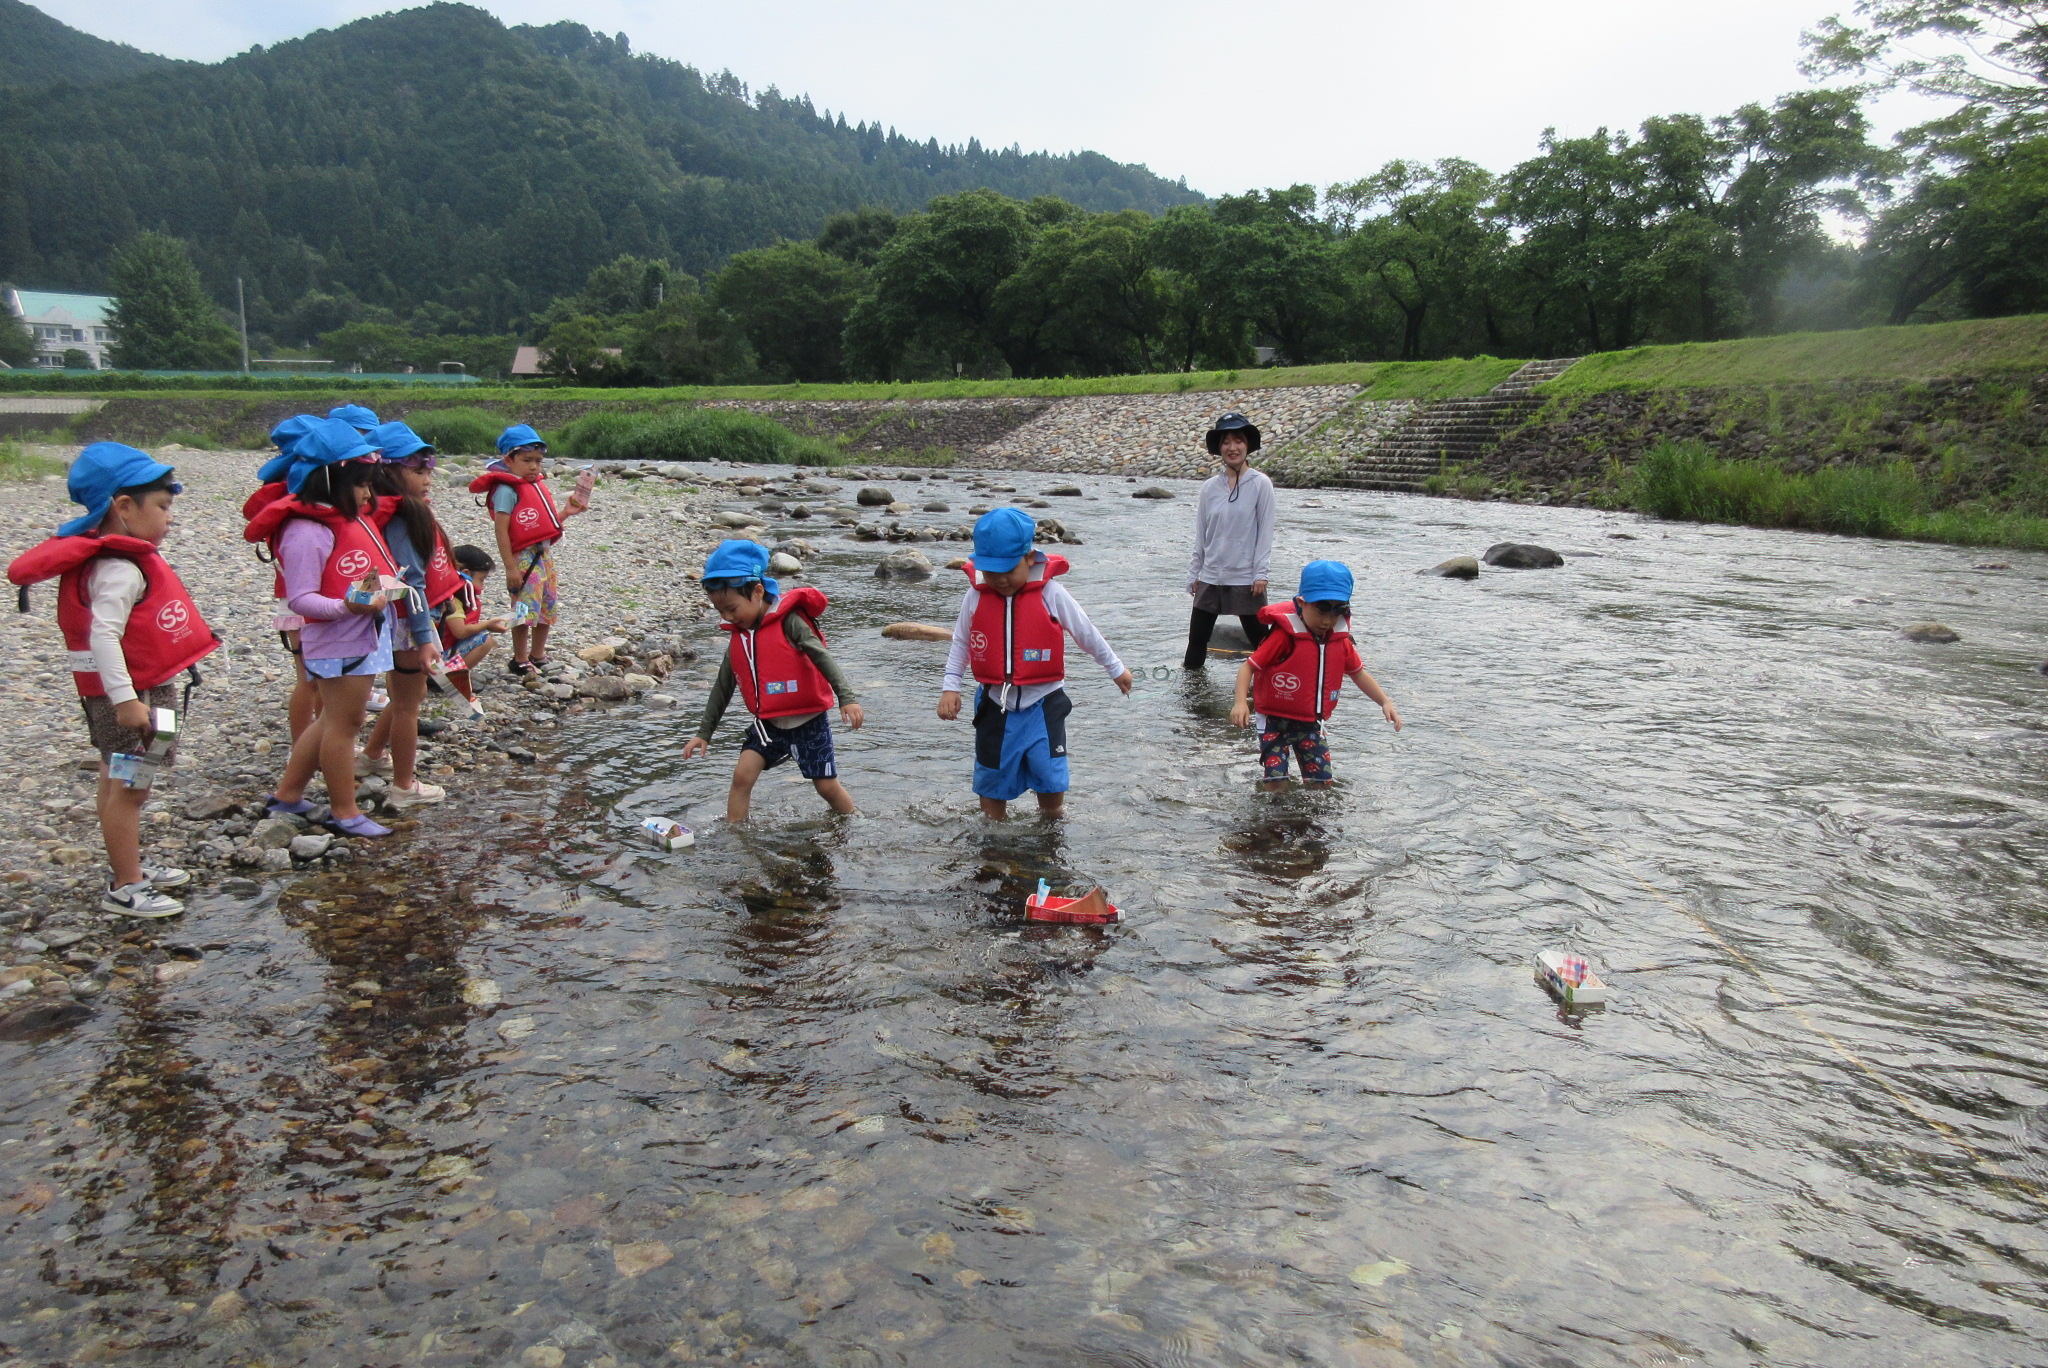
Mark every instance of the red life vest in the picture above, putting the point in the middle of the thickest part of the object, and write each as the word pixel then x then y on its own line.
pixel 358 542
pixel 1015 640
pixel 1307 682
pixel 466 601
pixel 265 496
pixel 534 519
pixel 165 633
pixel 444 581
pixel 775 678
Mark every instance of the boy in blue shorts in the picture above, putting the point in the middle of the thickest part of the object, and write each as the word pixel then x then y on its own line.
pixel 1298 673
pixel 776 659
pixel 1011 632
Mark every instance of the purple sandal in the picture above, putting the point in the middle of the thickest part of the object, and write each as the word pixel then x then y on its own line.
pixel 358 825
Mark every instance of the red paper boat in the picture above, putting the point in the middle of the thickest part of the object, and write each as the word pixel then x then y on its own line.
pixel 1091 908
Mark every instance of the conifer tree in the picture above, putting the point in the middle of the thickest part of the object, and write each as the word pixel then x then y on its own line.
pixel 163 319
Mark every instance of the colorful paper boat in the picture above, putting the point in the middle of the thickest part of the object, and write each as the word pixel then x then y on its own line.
pixel 1091 908
pixel 1571 980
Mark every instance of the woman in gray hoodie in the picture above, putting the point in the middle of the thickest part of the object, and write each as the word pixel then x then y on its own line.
pixel 1233 540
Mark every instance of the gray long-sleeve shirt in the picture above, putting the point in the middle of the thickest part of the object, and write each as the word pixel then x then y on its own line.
pixel 1233 537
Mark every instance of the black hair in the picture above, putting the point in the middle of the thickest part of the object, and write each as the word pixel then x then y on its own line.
pixel 141 491
pixel 421 526
pixel 335 485
pixel 474 559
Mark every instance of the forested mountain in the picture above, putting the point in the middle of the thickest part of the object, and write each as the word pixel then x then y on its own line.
pixel 36 50
pixel 437 163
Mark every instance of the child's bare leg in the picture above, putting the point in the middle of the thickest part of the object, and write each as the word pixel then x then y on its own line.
pixel 305 701
pixel 380 731
pixel 540 639
pixel 121 827
pixel 1272 785
pixel 834 793
pixel 739 798
pixel 1051 804
pixel 407 692
pixel 301 765
pixel 995 809
pixel 519 647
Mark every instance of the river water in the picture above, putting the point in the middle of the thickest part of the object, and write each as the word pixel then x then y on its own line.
pixel 522 1091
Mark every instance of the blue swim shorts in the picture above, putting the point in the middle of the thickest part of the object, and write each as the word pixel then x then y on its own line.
pixel 1026 750
pixel 811 744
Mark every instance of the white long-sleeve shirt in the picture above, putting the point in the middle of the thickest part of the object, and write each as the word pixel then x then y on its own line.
pixel 1233 538
pixel 1016 697
pixel 115 587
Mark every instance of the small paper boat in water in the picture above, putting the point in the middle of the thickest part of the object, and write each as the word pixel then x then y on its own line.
pixel 1091 908
pixel 666 834
pixel 1570 979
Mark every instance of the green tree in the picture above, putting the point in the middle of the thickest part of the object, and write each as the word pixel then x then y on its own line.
pixel 1203 315
pixel 687 341
pixel 1988 57
pixel 859 237
pixel 936 283
pixel 580 348
pixel 1088 300
pixel 1279 259
pixel 382 348
pixel 1431 248
pixel 17 348
pixel 792 303
pixel 162 318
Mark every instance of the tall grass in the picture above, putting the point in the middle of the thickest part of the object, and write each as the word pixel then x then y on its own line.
pixel 458 431
pixel 1686 481
pixel 16 464
pixel 698 434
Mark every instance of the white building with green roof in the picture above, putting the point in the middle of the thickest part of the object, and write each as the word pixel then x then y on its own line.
pixel 65 322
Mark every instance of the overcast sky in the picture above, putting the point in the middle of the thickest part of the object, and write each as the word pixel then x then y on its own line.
pixel 1231 96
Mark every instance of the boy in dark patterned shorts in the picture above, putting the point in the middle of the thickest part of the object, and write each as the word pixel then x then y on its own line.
pixel 1298 672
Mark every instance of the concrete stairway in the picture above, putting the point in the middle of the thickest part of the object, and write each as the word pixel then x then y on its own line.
pixel 1450 432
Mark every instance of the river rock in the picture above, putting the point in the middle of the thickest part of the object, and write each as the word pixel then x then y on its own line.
pixel 277 861
pixel 276 833
pixel 1063 492
pixel 642 1256
pixel 874 496
pixel 957 563
pixel 610 688
pixel 782 563
pixel 1152 492
pixel 1930 633
pixel 311 846
pixel 1521 556
pixel 1229 636
pixel 640 683
pixel 34 1019
pixel 937 506
pixel 797 547
pixel 596 655
pixel 917 631
pixel 561 693
pixel 73 855
pixel 734 519
pixel 1457 567
pixel 905 564
pixel 210 807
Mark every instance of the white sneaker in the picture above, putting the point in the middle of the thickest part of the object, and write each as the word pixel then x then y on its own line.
pixel 420 792
pixel 372 764
pixel 378 700
pixel 164 876
pixel 139 900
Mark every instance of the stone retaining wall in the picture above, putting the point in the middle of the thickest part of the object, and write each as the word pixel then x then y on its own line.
pixel 1156 434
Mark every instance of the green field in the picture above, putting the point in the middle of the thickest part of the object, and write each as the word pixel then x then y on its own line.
pixel 1978 347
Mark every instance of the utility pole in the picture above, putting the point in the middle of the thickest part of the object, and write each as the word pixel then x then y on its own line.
pixel 242 312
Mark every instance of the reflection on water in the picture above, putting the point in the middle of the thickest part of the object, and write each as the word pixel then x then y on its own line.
pixel 520 1090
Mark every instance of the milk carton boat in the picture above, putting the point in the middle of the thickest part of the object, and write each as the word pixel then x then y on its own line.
pixel 665 834
pixel 1570 979
pixel 1092 908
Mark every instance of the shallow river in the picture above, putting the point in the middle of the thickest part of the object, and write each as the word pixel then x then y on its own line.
pixel 520 1091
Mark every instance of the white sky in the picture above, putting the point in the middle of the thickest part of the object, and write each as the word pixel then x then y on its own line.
pixel 1231 96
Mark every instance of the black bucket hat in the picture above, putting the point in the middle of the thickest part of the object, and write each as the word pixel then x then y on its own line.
pixel 1232 422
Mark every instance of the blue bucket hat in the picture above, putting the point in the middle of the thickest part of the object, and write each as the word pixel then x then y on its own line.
pixel 355 415
pixel 285 437
pixel 395 441
pixel 100 472
pixel 328 441
pixel 1002 537
pixel 517 436
pixel 741 560
pixel 1325 581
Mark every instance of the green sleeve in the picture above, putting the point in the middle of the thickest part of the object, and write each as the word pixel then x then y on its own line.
pixel 715 703
pixel 804 639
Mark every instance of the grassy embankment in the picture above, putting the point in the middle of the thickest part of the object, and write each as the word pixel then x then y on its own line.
pixel 668 424
pixel 1930 432
pixel 17 465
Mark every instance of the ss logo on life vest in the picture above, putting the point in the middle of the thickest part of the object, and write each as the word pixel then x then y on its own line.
pixel 977 641
pixel 1286 683
pixel 173 616
pixel 354 565
pixel 527 517
pixel 440 558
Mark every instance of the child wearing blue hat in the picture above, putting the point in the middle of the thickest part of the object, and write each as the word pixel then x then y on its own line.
pixel 1297 674
pixel 776 658
pixel 1011 633
pixel 528 523
pixel 131 629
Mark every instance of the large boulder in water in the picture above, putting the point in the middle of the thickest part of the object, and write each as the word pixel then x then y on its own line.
pixel 1229 636
pixel 1521 556
pixel 874 496
pixel 1457 567
pixel 1930 633
pixel 905 564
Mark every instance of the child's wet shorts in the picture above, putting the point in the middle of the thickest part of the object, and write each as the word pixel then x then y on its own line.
pixel 109 737
pixel 1025 750
pixel 811 744
pixel 1277 735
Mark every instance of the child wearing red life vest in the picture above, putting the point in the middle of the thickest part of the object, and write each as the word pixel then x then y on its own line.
pixel 1012 629
pixel 305 699
pixel 528 524
pixel 131 629
pixel 465 632
pixel 776 659
pixel 1298 672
